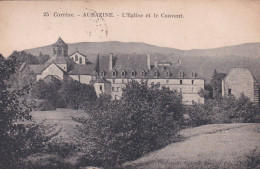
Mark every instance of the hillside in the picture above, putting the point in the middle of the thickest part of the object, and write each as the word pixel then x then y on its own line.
pixel 203 61
pixel 209 146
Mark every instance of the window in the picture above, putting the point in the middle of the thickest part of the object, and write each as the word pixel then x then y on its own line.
pixel 103 73
pixel 59 51
pixel 168 74
pixel 114 73
pixel 180 90
pixel 133 73
pixel 191 90
pixel 192 82
pixel 167 81
pixel 55 51
pixel 143 73
pixel 158 84
pixel 123 73
pixel 113 89
pixel 76 58
pixel 80 60
pixel 181 74
pixel 193 74
pixel 180 81
pixel 152 84
pixel 155 73
pixel 229 92
pixel 100 87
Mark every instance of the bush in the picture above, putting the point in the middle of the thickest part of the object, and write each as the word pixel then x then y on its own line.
pixel 48 92
pixel 143 120
pixel 224 110
pixel 76 95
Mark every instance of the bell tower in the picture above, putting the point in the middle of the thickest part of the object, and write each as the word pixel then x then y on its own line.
pixel 60 48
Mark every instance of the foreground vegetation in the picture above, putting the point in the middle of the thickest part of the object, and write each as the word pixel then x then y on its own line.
pixel 113 131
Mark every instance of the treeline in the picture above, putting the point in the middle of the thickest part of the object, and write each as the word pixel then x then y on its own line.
pixel 68 94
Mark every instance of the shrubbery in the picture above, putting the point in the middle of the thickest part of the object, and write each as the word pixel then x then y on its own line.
pixel 224 110
pixel 143 120
pixel 67 94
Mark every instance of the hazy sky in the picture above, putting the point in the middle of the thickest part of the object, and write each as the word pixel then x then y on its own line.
pixel 205 24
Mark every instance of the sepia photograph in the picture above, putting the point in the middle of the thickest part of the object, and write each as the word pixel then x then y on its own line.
pixel 121 84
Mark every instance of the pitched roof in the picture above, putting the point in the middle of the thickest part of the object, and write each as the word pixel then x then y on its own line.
pixel 57 60
pixel 138 63
pixel 87 69
pixel 37 69
pixel 60 42
pixel 78 53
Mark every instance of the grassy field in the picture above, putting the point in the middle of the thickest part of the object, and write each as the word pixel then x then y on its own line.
pixel 209 146
pixel 61 120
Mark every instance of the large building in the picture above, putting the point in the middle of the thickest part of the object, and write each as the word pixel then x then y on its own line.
pixel 115 72
pixel 111 73
pixel 238 81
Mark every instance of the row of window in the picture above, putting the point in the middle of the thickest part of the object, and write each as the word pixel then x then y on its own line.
pixel 118 89
pixel 143 73
pixel 152 83
pixel 59 51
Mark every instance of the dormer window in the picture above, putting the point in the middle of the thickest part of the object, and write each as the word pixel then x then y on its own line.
pixel 156 73
pixel 59 51
pixel 80 60
pixel 181 73
pixel 114 73
pixel 193 74
pixel 76 58
pixel 123 73
pixel 143 73
pixel 103 73
pixel 168 73
pixel 133 73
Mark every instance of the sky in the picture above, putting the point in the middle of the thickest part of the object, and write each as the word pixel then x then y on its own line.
pixel 204 23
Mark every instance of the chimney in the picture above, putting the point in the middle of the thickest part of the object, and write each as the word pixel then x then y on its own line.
pixel 111 61
pixel 156 62
pixel 149 61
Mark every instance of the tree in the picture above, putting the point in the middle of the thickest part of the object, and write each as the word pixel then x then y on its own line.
pixel 43 58
pixel 77 95
pixel 143 120
pixel 25 57
pixel 216 83
pixel 224 110
pixel 48 92
pixel 18 139
pixel 97 65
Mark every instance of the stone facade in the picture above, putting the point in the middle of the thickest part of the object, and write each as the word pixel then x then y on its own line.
pixel 118 71
pixel 240 80
pixel 78 58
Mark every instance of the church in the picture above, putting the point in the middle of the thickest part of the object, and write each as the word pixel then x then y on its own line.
pixel 114 72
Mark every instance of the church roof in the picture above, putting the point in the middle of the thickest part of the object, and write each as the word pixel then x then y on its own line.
pixel 138 63
pixel 87 69
pixel 60 42
pixel 37 69
pixel 77 52
pixel 57 60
